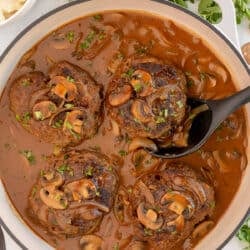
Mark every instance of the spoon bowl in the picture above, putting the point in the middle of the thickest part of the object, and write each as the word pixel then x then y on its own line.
pixel 206 122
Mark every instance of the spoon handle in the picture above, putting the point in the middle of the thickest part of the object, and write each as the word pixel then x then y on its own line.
pixel 224 107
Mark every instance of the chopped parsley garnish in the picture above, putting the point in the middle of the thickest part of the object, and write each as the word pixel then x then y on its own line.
pixel 101 36
pixel 97 193
pixel 70 36
pixel 69 126
pixel 137 87
pixel 34 190
pixel 38 115
pixel 148 232
pixel 58 124
pixel 212 204
pixel 42 173
pixel 88 40
pixel 25 82
pixel 24 118
pixel 190 82
pixel 66 157
pixel 244 233
pixel 97 17
pixel 141 49
pixel 123 152
pixel 128 74
pixel 160 119
pixel 116 246
pixel 18 118
pixel 89 171
pixel 29 156
pixel 52 107
pixel 180 104
pixel 70 79
pixel 65 168
pixel 69 105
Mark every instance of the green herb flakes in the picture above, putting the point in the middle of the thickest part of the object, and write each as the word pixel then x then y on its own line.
pixel 123 153
pixel 29 156
pixel 148 232
pixel 137 87
pixel 70 79
pixel 58 124
pixel 160 119
pixel 89 171
pixel 25 82
pixel 116 246
pixel 64 168
pixel 88 40
pixel 180 104
pixel 98 17
pixel 34 191
pixel 69 105
pixel 128 74
pixel 70 36
pixel 38 115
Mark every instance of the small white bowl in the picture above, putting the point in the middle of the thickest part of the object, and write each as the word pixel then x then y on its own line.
pixel 24 9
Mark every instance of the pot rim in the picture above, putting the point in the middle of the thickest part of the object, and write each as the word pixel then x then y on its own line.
pixel 219 33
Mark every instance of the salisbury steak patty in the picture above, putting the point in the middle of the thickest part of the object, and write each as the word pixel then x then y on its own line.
pixel 73 193
pixel 64 108
pixel 148 100
pixel 166 205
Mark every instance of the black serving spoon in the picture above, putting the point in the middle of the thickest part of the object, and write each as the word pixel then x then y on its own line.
pixel 206 122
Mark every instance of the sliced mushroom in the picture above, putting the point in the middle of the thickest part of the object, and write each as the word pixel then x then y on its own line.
pixel 53 198
pixel 83 188
pixel 202 229
pixel 121 206
pixel 43 110
pixel 177 224
pixel 148 217
pixel 193 186
pixel 120 96
pixel 59 42
pixel 64 88
pixel 141 111
pixel 146 192
pixel 73 121
pixel 142 142
pixel 219 70
pixel 142 82
pixel 177 203
pixel 91 242
pixel 115 128
pixel 52 178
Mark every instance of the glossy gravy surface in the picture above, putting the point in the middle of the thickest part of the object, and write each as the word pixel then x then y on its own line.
pixel 139 35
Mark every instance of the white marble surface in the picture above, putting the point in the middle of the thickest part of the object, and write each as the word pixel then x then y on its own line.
pixel 8 33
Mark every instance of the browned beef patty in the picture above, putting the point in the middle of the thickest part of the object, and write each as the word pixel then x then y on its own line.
pixel 165 205
pixel 64 108
pixel 73 193
pixel 148 100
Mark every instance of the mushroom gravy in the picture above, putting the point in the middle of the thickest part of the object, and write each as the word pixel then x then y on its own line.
pixel 104 46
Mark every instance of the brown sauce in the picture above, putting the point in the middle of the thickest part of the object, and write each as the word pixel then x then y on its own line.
pixel 137 36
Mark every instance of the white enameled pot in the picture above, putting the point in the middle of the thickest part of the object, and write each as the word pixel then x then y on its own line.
pixel 225 46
